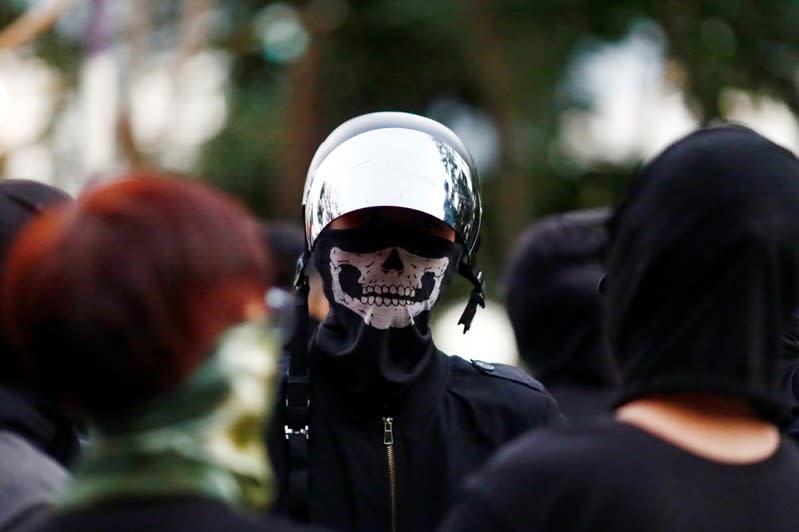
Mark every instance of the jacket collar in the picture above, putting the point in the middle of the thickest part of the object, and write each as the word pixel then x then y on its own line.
pixel 40 423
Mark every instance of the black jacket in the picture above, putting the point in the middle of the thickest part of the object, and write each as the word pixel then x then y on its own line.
pixel 167 514
pixel 447 424
pixel 37 443
pixel 607 475
pixel 40 424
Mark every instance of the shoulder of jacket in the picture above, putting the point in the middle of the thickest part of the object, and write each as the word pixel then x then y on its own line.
pixel 495 370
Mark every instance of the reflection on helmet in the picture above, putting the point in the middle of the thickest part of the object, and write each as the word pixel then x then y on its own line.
pixel 394 160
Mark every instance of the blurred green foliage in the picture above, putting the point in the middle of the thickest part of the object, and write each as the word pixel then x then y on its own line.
pixel 506 57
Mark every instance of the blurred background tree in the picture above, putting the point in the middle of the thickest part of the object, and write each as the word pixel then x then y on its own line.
pixel 558 99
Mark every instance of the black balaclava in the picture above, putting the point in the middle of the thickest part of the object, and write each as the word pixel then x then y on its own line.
pixel 554 306
pixel 381 285
pixel 703 269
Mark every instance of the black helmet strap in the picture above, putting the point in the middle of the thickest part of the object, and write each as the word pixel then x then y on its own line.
pixel 298 398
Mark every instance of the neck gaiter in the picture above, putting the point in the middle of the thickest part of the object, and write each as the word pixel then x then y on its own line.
pixel 203 438
pixel 381 288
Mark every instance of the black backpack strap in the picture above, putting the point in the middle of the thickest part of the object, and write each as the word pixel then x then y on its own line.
pixel 298 400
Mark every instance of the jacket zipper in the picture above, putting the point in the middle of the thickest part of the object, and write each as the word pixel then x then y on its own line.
pixel 388 441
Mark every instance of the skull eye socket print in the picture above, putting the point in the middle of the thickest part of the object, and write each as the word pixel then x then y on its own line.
pixel 386 288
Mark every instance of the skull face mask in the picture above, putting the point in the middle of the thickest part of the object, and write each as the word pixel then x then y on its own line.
pixel 387 288
pixel 381 285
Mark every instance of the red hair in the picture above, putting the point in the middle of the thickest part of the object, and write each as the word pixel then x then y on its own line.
pixel 115 298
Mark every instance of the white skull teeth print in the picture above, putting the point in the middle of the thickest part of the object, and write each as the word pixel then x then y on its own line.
pixel 387 288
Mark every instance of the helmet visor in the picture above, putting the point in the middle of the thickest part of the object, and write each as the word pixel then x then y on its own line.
pixel 395 167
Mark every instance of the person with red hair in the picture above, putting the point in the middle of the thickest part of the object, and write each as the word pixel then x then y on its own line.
pixel 141 305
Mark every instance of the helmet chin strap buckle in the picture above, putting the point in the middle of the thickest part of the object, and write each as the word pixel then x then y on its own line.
pixel 300 279
pixel 477 296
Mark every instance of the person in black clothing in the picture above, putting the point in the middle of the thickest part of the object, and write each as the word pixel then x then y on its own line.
pixel 38 440
pixel 702 278
pixel 141 303
pixel 555 309
pixel 375 427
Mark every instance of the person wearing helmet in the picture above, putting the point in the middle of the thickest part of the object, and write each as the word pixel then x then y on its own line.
pixel 377 428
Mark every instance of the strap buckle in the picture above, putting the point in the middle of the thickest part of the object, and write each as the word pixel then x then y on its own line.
pixel 288 431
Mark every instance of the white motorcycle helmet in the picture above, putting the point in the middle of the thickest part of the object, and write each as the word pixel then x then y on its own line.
pixel 392 159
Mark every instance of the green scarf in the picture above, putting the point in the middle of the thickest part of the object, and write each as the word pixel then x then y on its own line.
pixel 204 438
